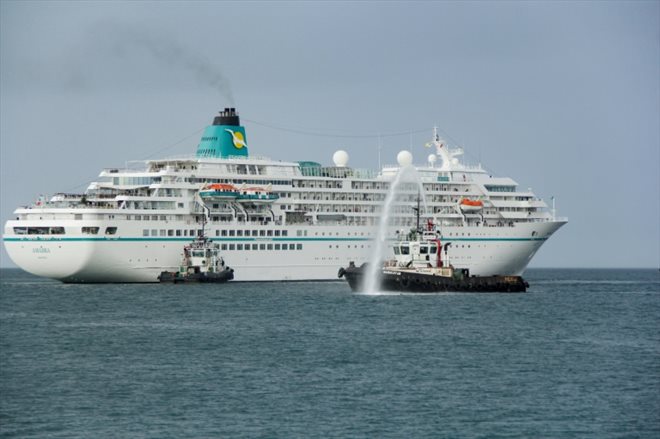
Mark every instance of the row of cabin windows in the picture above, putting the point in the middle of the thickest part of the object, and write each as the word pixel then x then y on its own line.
pixel 261 247
pixel 60 230
pixel 171 232
pixel 239 181
pixel 39 230
pixel 251 233
pixel 95 230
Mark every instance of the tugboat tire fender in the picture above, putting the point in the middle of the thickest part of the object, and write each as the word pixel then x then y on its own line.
pixel 341 272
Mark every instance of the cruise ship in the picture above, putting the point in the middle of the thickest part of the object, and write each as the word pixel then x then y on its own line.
pixel 274 220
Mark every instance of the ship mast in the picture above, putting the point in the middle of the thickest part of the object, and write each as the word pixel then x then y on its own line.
pixel 417 210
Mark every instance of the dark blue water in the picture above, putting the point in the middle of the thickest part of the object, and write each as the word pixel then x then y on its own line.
pixel 576 357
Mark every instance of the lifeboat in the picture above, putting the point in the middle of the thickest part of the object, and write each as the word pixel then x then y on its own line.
pixel 256 195
pixel 218 192
pixel 469 206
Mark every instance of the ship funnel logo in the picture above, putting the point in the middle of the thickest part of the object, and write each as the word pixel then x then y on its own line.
pixel 237 138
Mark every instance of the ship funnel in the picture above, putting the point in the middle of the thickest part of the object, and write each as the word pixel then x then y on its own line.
pixel 224 138
pixel 228 117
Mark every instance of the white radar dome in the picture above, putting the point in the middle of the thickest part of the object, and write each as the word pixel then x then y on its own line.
pixel 340 158
pixel 404 158
pixel 432 158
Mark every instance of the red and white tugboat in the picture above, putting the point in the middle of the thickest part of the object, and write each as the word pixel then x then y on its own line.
pixel 418 266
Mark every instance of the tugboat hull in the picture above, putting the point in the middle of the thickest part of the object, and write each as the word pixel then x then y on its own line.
pixel 420 282
pixel 176 277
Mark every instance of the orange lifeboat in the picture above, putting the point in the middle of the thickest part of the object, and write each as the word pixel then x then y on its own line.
pixel 256 195
pixel 468 205
pixel 218 192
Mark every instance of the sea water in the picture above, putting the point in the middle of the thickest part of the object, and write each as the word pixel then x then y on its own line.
pixel 578 356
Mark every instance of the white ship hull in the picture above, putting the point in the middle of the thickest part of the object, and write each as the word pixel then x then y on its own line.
pixel 486 251
pixel 282 221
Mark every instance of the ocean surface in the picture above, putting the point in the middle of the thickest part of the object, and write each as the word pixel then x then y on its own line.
pixel 578 356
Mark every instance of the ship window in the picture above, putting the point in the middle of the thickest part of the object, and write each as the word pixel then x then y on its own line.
pixel 397 251
pixel 285 233
pixel 423 250
pixel 270 246
pixel 299 233
pixel 145 232
pixel 223 247
pixel 277 233
pixel 232 233
pixel 200 232
pixel 20 230
pixel 405 250
pixel 231 246
pixel 247 233
pixel 254 233
pixel 298 246
pixel 262 246
pixel 434 249
pixel 191 233
pixel 270 233
pixel 95 230
pixel 154 232
pixel 154 217
pixel 223 233
pixel 254 246
pixel 110 230
pixel 277 246
pixel 163 232
pixel 178 232
pixel 262 233
pixel 138 217
pixel 239 233
pixel 170 232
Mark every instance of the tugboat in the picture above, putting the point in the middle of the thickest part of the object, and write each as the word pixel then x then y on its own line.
pixel 201 263
pixel 418 266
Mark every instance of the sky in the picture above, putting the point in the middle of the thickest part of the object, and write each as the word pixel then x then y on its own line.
pixel 563 97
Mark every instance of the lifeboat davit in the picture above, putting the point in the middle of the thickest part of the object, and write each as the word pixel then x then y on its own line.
pixel 469 206
pixel 218 192
pixel 256 195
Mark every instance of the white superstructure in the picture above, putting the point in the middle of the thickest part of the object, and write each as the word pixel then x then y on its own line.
pixel 286 221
